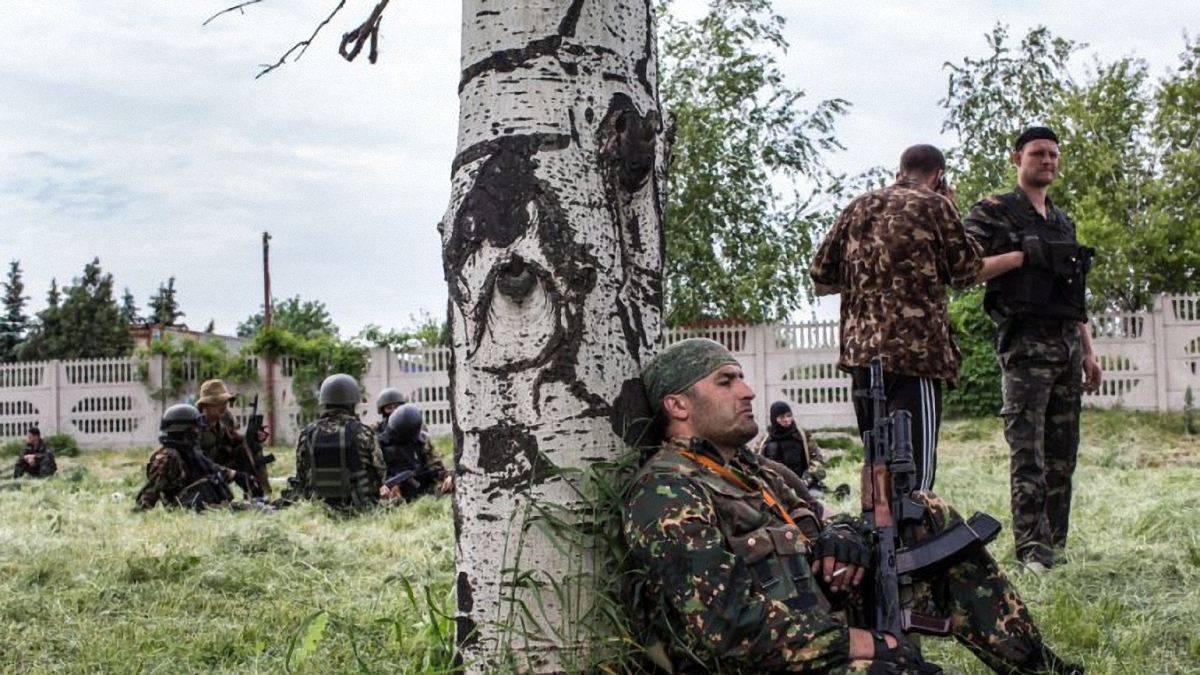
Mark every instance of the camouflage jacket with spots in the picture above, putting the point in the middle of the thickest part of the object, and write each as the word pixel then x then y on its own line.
pixel 892 253
pixel 727 584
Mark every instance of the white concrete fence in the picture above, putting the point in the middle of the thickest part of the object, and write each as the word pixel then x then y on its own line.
pixel 1150 360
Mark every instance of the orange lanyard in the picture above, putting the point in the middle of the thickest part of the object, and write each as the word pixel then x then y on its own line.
pixel 732 478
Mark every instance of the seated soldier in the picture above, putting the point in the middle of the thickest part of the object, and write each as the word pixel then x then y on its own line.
pixel 413 467
pixel 179 474
pixel 36 459
pixel 795 448
pixel 744 576
pixel 222 441
pixel 388 400
pixel 337 457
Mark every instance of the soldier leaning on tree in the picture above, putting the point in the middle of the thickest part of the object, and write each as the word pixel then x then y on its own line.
pixel 1042 341
pixel 743 575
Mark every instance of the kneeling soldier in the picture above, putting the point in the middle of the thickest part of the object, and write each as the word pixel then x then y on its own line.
pixel 179 474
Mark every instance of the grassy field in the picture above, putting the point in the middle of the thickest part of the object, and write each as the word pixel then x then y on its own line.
pixel 89 586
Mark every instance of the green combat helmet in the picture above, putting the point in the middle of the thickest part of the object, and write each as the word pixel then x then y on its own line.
pixel 181 419
pixel 339 390
pixel 387 397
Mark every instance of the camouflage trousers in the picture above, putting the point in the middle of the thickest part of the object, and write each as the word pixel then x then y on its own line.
pixel 42 468
pixel 1043 390
pixel 986 613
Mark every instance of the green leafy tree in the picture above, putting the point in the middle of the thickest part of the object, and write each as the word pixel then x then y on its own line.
pixel 88 323
pixel 738 223
pixel 15 322
pixel 163 305
pixel 302 318
pixel 423 331
pixel 129 308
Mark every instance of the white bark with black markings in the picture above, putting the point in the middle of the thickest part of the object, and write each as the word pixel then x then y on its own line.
pixel 552 248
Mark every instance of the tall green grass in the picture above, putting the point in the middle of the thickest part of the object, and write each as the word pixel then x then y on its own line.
pixel 89 586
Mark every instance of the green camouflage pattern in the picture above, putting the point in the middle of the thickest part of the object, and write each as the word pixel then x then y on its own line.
pixel 681 365
pixel 172 480
pixel 364 493
pixel 1042 360
pixel 704 546
pixel 893 253
pixel 1043 394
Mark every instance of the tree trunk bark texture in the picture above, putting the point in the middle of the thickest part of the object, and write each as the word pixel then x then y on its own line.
pixel 552 247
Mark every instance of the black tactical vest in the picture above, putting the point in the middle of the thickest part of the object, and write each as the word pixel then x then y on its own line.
pixel 337 470
pixel 1056 292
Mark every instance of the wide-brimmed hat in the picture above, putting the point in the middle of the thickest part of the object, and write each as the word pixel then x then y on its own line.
pixel 213 392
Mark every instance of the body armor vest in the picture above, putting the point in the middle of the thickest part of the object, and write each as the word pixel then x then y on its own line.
pixel 337 468
pixel 1056 291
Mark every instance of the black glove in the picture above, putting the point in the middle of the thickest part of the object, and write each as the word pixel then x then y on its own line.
pixel 903 659
pixel 844 543
pixel 1037 255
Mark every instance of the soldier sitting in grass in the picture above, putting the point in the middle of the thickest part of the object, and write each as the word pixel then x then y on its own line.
pixel 36 459
pixel 179 474
pixel 743 575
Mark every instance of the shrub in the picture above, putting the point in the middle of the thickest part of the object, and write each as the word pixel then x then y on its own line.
pixel 12 448
pixel 978 392
pixel 63 445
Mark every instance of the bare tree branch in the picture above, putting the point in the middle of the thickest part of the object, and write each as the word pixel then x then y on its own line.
pixel 369 29
pixel 300 47
pixel 240 7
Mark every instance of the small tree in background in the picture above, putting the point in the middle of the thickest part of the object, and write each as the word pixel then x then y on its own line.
pixel 14 322
pixel 163 306
pixel 129 309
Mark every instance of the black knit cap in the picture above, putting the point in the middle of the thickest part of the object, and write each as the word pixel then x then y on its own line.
pixel 35 431
pixel 1034 134
pixel 779 408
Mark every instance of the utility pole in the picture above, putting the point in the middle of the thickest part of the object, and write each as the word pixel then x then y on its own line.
pixel 269 359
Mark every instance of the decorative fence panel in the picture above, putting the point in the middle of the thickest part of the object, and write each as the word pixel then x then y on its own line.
pixel 1150 361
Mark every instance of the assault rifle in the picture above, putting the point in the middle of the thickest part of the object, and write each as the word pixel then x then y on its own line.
pixel 254 448
pixel 892 514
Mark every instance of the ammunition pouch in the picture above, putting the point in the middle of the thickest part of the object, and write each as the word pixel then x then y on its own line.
pixel 945 548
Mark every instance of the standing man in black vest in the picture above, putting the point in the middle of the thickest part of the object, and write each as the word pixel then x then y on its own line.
pixel 1042 341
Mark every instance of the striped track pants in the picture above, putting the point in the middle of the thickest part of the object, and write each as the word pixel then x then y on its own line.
pixel 922 398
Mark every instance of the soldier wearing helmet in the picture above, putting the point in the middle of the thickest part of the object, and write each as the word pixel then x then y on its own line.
pixel 388 400
pixel 337 457
pixel 179 474
pixel 413 467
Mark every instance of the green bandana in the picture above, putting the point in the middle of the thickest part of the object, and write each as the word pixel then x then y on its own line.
pixel 680 366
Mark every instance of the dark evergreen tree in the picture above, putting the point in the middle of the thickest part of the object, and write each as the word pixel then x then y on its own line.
pixel 14 323
pixel 86 324
pixel 164 308
pixel 129 308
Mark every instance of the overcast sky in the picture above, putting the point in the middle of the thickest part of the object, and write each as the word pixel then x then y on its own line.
pixel 130 132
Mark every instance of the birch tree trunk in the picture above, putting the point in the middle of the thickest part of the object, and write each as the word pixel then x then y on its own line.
pixel 552 248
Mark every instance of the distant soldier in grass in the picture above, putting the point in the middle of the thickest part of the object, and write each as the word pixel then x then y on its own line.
pixel 36 459
pixel 221 440
pixel 413 466
pixel 743 575
pixel 388 400
pixel 337 456
pixel 179 474
pixel 795 448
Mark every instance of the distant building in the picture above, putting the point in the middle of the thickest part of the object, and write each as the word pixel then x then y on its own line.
pixel 144 333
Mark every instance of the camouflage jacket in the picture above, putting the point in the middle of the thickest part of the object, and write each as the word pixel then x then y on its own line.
pixel 365 492
pixel 892 253
pixel 997 223
pixel 727 582
pixel 182 475
pixel 222 442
